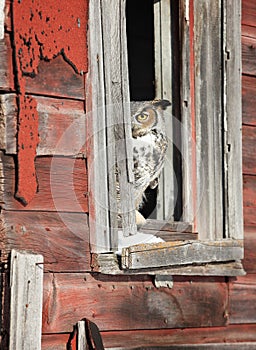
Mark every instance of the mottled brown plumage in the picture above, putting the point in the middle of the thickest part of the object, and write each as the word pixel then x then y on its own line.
pixel 149 147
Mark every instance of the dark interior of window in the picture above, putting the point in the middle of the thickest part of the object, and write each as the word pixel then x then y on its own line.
pixel 140 41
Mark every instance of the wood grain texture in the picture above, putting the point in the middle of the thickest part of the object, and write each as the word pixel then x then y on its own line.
pixel 26 281
pixel 249 55
pixel 248 31
pixel 118 114
pixel 62 185
pixel 133 303
pixel 109 264
pixel 249 100
pixel 249 191
pixel 8 24
pixel 248 12
pixel 180 253
pixel 249 155
pixel 63 239
pixel 167 337
pixel 233 335
pixel 61 125
pixel 243 300
pixel 249 216
pixel 208 107
pixel 50 80
pixel 6 66
pixel 55 341
pixel 232 121
pixel 250 249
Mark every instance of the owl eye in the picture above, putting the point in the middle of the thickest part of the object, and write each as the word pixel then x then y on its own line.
pixel 142 117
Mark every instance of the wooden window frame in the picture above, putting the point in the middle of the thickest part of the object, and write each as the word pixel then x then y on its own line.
pixel 211 146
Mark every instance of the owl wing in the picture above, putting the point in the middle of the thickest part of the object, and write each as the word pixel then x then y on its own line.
pixel 149 154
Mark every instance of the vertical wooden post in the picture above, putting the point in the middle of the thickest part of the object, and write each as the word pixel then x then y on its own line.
pixel 2 16
pixel 88 336
pixel 26 282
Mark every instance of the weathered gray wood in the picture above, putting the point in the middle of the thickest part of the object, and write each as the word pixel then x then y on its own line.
pixel 233 120
pixel 109 264
pixel 81 336
pixel 181 253
pixel 163 85
pixel 6 69
pixel 2 18
pixel 26 283
pixel 96 135
pixel 117 116
pixel 187 141
pixel 88 336
pixel 107 98
pixel 167 226
pixel 208 104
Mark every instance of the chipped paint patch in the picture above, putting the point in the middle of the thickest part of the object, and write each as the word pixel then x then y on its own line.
pixel 42 30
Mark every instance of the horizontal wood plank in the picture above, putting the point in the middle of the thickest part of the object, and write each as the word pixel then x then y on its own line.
pixel 62 185
pixel 61 126
pixel 232 335
pixel 248 12
pixel 56 78
pixel 249 216
pixel 249 190
pixel 132 303
pixel 55 341
pixel 243 300
pixel 169 231
pixel 249 154
pixel 248 31
pixel 62 238
pixel 249 100
pixel 249 55
pixel 174 337
pixel 178 253
pixel 250 249
pixel 109 264
pixel 161 225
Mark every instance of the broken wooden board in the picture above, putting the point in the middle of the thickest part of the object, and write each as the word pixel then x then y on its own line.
pixel 109 264
pixel 166 254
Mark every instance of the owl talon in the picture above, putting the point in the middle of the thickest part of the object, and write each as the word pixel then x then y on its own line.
pixel 140 220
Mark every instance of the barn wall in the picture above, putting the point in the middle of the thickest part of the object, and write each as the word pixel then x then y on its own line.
pixel 130 311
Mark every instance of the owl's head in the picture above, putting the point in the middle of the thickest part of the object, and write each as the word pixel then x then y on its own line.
pixel 149 117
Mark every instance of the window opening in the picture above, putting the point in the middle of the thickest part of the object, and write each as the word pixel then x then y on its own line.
pixel 154 73
pixel 140 43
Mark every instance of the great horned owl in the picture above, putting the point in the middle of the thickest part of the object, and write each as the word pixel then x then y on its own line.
pixel 149 148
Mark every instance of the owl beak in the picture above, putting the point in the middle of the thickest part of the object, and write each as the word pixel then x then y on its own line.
pixel 137 131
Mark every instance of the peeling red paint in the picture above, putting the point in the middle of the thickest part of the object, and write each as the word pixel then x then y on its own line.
pixel 45 29
pixel 42 30
pixel 27 142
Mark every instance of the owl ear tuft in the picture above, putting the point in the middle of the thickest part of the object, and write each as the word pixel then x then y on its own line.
pixel 162 104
